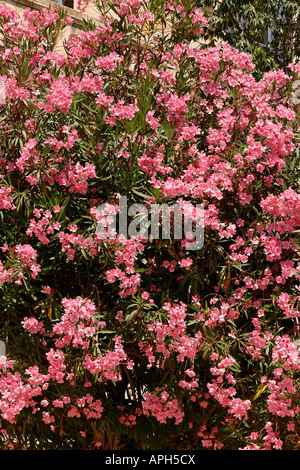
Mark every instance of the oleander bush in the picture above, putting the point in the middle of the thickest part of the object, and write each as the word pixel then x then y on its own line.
pixel 136 342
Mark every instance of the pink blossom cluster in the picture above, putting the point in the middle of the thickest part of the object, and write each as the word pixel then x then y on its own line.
pixel 110 62
pixel 203 343
pixel 209 439
pixel 41 226
pixel 32 325
pixel 107 366
pixel 225 396
pixel 6 201
pixel 74 176
pixel 60 96
pixel 77 323
pixel 182 344
pixel 22 260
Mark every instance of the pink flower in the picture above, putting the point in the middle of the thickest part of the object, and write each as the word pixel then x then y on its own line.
pixel 186 263
pixel 59 96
